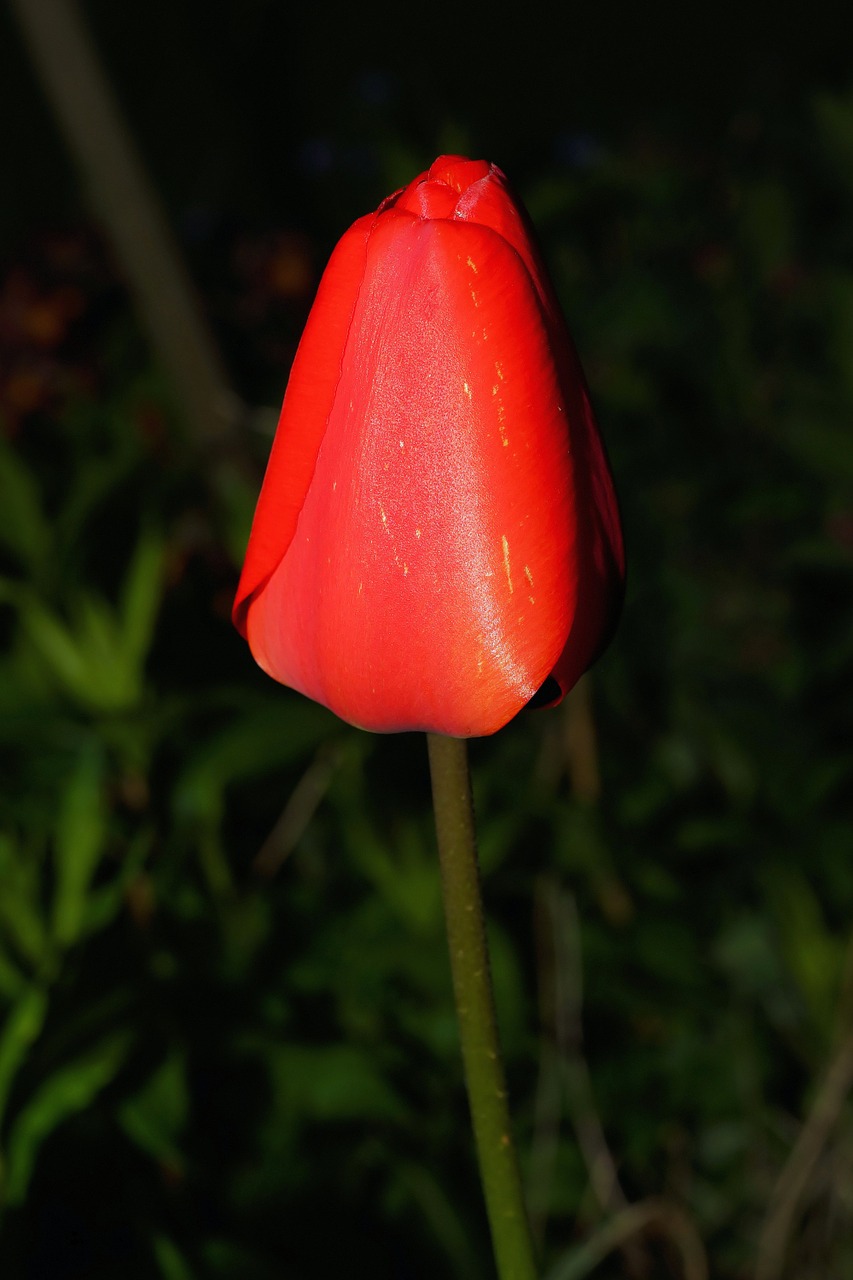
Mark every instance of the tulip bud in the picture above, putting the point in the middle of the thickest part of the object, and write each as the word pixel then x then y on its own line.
pixel 437 539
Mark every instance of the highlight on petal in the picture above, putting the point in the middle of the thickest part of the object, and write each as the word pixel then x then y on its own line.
pixel 437 535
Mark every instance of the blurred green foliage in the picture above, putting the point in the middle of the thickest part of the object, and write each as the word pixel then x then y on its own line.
pixel 229 1046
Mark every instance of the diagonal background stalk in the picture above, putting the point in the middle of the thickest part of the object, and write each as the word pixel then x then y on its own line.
pixel 475 1008
pixel 126 203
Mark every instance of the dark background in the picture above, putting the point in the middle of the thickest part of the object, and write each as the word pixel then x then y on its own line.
pixel 231 103
pixel 230 1045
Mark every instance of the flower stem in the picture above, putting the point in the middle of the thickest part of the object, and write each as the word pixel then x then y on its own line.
pixel 475 1007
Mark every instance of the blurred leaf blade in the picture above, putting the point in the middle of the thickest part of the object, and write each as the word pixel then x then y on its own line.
pixel 81 831
pixel 69 1090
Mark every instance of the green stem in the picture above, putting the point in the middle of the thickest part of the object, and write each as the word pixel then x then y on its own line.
pixel 475 1007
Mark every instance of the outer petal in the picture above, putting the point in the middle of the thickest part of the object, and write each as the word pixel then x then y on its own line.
pixel 490 202
pixel 485 197
pixel 304 415
pixel 600 548
pixel 432 578
pixel 600 553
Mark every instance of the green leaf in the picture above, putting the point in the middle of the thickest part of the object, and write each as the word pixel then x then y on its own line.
pixel 141 599
pixel 332 1082
pixel 92 656
pixel 23 528
pixel 20 1030
pixel 259 743
pixel 58 647
pixel 20 909
pixel 156 1116
pixel 813 953
pixel 172 1264
pixel 104 902
pixel 11 978
pixel 406 876
pixel 68 1091
pixel 79 844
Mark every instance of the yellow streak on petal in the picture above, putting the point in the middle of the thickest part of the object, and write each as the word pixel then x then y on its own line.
pixel 417 533
pixel 502 422
pixel 467 390
pixel 473 268
pixel 506 563
pixel 528 575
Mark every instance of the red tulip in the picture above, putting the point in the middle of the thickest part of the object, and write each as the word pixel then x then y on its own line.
pixel 437 532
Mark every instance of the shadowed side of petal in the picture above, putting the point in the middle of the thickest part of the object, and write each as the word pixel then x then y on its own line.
pixel 458 172
pixel 304 415
pixel 490 202
pixel 601 550
pixel 599 555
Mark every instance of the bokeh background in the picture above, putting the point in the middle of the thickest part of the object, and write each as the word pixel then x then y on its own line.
pixel 228 1045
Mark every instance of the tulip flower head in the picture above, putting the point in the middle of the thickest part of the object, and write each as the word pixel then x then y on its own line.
pixel 437 540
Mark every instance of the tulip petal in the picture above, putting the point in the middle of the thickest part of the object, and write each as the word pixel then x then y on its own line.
pixel 601 550
pixel 431 581
pixel 458 172
pixel 304 414
pixel 428 200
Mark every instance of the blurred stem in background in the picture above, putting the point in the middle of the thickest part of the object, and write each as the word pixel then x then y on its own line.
pixel 799 1169
pixel 564 1071
pixel 129 211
